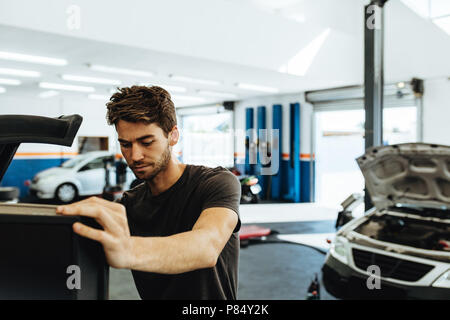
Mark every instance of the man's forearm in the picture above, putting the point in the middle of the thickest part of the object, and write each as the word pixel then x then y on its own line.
pixel 178 253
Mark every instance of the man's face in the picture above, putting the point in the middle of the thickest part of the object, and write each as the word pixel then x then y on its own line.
pixel 145 148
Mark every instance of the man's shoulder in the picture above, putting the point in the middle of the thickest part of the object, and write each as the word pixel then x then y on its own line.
pixel 207 174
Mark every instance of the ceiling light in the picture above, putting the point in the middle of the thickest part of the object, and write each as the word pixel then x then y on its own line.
pixel 2 90
pixel 217 94
pixel 20 73
pixel 48 94
pixel 59 86
pixel 169 88
pixel 12 82
pixel 254 87
pixel 33 59
pixel 189 98
pixel 72 77
pixel 400 85
pixel 99 97
pixel 194 80
pixel 130 72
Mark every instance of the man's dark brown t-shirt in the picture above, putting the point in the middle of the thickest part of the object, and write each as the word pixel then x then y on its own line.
pixel 176 210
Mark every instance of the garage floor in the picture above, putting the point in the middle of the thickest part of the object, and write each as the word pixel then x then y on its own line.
pixel 270 271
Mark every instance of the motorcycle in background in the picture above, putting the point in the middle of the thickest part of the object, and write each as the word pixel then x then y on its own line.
pixel 250 188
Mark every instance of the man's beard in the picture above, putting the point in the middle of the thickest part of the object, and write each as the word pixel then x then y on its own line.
pixel 159 166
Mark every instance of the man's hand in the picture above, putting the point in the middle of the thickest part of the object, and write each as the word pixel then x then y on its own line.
pixel 115 237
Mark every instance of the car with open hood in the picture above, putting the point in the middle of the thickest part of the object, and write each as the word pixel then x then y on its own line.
pixel 400 248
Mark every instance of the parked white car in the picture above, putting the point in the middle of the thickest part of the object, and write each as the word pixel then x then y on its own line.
pixel 82 175
pixel 401 247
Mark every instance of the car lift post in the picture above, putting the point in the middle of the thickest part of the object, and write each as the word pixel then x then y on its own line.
pixel 373 77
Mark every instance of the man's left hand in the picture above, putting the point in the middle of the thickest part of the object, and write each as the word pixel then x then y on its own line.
pixel 115 236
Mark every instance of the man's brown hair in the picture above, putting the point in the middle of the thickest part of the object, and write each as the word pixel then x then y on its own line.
pixel 141 103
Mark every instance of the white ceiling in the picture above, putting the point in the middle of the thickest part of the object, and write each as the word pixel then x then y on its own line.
pixel 230 41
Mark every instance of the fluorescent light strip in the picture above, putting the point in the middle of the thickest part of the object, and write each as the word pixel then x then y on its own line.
pixel 217 94
pixel 2 90
pixel 72 77
pixel 169 88
pixel 33 59
pixel 99 97
pixel 194 80
pixel 48 94
pixel 20 73
pixel 59 86
pixel 130 72
pixel 254 87
pixel 12 82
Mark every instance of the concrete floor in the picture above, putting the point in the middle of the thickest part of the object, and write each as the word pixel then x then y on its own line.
pixel 268 271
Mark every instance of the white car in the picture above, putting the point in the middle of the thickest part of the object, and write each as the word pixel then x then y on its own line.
pixel 401 247
pixel 82 175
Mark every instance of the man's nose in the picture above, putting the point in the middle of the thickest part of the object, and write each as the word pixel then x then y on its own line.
pixel 136 153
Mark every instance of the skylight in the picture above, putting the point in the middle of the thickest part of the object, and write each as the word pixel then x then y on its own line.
pixel 438 11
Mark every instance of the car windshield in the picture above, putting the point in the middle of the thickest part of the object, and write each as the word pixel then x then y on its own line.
pixel 71 163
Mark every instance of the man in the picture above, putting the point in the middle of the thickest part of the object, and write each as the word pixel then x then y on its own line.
pixel 177 232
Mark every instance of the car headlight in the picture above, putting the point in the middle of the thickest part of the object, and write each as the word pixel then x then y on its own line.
pixel 443 281
pixel 339 250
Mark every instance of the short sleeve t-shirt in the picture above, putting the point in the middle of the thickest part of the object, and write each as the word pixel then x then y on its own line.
pixel 176 210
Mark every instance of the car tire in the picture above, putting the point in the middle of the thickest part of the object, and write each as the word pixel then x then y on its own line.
pixel 9 193
pixel 66 193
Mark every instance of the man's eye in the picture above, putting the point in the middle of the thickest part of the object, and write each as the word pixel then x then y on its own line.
pixel 146 144
pixel 123 145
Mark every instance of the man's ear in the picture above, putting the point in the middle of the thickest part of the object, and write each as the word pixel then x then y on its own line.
pixel 174 135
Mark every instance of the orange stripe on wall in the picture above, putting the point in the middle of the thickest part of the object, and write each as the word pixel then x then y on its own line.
pixel 302 155
pixel 283 155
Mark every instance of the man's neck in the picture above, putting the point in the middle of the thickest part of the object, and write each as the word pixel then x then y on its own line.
pixel 167 178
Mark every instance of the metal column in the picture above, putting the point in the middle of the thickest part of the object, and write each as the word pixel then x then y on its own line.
pixel 373 77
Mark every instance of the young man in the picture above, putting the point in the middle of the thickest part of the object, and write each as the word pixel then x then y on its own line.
pixel 177 232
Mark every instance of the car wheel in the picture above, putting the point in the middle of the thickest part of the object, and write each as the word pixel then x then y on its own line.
pixel 9 193
pixel 66 193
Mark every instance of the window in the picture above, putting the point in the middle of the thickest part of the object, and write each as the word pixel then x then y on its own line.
pixel 87 144
pixel 97 163
pixel 340 140
pixel 207 139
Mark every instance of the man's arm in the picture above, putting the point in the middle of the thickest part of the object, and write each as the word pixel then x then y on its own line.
pixel 183 252
pixel 187 251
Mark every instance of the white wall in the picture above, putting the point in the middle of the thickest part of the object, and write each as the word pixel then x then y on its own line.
pixel 92 111
pixel 436 111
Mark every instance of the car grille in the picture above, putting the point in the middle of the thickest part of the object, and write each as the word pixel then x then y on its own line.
pixel 391 267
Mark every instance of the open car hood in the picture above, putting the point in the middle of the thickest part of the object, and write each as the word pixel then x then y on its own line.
pixel 412 173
